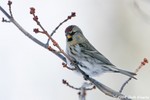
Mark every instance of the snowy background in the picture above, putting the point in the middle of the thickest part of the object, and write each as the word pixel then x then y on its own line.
pixel 119 29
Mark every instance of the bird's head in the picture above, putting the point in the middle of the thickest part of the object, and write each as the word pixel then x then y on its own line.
pixel 74 34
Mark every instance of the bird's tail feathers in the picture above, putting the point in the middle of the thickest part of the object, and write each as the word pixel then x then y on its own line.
pixel 130 74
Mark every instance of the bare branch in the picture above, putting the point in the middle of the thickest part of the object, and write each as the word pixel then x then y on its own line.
pixel 65 66
pixel 145 61
pixel 73 14
pixel 71 86
pixel 82 90
pixel 29 35
pixel 5 13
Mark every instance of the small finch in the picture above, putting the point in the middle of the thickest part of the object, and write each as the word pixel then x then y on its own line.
pixel 91 61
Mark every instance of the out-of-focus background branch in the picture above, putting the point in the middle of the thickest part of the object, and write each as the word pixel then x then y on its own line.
pixel 117 28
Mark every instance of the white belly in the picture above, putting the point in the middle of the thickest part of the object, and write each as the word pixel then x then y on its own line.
pixel 88 68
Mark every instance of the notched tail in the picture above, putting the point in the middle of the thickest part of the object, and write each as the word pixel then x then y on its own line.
pixel 130 74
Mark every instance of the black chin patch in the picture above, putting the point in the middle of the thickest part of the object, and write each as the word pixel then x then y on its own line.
pixel 70 39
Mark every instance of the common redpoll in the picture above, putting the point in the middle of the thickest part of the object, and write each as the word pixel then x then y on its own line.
pixel 87 57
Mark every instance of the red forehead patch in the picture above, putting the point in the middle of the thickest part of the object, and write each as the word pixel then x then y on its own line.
pixel 68 29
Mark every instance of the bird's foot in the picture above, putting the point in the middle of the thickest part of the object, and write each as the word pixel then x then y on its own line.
pixel 86 77
pixel 74 62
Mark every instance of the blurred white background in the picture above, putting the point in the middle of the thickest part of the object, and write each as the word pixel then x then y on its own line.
pixel 119 29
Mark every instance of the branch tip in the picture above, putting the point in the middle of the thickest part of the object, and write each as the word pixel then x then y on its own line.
pixel 73 14
pixel 145 60
pixel 64 81
pixel 4 20
pixel 64 65
pixel 32 10
pixel 9 3
pixel 94 87
pixel 36 30
pixel 143 63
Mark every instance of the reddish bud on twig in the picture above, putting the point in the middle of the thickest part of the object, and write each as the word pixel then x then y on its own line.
pixel 145 60
pixel 142 63
pixel 9 2
pixel 55 43
pixel 73 14
pixel 64 65
pixel 35 18
pixel 32 10
pixel 50 48
pixel 36 30
pixel 67 83
pixel 94 87
pixel 64 81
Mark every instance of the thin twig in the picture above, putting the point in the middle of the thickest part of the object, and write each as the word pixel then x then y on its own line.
pixel 29 35
pixel 35 18
pixel 82 90
pixel 124 84
pixel 145 61
pixel 65 66
pixel 73 14
pixel 10 10
pixel 71 86
pixel 4 20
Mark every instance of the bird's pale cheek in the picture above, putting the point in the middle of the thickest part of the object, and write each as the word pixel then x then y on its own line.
pixel 78 38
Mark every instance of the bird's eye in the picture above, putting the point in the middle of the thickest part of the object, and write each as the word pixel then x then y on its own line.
pixel 72 33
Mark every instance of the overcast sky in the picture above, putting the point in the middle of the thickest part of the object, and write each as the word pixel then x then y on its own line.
pixel 119 29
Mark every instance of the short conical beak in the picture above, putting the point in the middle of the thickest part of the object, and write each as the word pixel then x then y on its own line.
pixel 69 36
